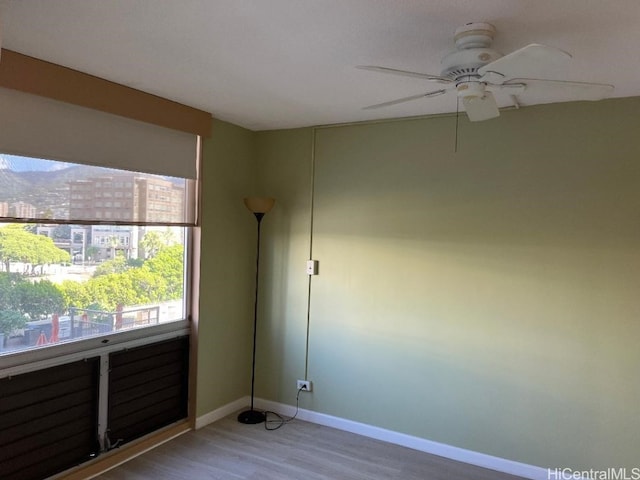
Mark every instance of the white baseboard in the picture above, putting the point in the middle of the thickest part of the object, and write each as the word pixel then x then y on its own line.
pixel 222 412
pixel 454 453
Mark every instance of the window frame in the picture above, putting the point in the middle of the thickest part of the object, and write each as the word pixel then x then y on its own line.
pixel 23 361
pixel 41 357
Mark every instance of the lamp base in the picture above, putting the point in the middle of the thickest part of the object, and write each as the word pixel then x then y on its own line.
pixel 251 417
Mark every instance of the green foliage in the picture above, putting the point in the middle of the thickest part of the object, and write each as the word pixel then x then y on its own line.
pixel 74 294
pixel 19 298
pixel 10 316
pixel 156 280
pixel 11 320
pixel 112 289
pixel 135 262
pixel 40 299
pixel 92 252
pixel 19 245
pixel 117 281
pixel 168 264
pixel 154 242
pixel 151 244
pixel 8 285
pixel 117 265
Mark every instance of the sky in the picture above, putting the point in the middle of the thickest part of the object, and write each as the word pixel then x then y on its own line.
pixel 16 163
pixel 28 164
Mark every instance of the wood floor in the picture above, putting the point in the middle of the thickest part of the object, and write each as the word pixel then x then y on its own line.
pixel 228 450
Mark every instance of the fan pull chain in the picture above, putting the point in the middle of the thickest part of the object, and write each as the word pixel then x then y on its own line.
pixel 455 147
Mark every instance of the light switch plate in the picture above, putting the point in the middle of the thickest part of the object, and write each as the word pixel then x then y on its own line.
pixel 312 267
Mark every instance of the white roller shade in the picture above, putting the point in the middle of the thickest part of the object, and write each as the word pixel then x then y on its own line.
pixel 39 127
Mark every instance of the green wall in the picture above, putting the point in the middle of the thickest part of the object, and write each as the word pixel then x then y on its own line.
pixel 227 268
pixel 486 298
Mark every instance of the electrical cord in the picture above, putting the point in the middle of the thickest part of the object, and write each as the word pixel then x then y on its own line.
pixel 279 421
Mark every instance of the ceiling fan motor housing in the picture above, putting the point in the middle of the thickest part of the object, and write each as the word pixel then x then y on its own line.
pixel 473 51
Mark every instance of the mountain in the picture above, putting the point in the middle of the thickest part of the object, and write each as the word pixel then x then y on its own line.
pixel 48 190
pixel 11 184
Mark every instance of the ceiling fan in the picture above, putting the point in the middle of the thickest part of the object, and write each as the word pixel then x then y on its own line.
pixel 475 72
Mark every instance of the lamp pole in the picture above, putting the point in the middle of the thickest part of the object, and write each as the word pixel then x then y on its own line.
pixel 258 206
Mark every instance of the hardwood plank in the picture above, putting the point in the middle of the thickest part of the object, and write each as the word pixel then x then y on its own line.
pixel 228 450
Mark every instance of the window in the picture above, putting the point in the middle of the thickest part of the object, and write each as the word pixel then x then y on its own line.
pixel 125 304
pixel 61 281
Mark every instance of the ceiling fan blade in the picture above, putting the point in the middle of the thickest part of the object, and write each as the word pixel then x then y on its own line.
pixel 481 108
pixel 405 73
pixel 405 99
pixel 534 60
pixel 570 91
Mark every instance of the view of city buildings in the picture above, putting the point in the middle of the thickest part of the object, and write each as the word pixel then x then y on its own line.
pixel 96 215
pixel 17 209
pixel 126 197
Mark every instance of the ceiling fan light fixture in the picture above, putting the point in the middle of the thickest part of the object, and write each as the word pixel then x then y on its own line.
pixel 481 108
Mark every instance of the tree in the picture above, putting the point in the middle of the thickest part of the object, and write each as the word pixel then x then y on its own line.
pixel 117 265
pixel 19 245
pixel 20 297
pixel 8 285
pixel 168 236
pixel 75 294
pixel 150 288
pixel 152 243
pixel 39 299
pixel 45 252
pixel 11 320
pixel 113 243
pixel 110 290
pixel 92 252
pixel 14 244
pixel 169 265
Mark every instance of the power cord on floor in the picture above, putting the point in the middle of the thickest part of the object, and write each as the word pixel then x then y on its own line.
pixel 279 421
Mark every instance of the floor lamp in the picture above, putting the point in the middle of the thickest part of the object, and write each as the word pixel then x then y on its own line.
pixel 258 206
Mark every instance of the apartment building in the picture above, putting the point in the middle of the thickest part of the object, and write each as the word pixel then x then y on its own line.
pixel 126 198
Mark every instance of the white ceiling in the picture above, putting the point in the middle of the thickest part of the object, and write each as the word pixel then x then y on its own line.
pixel 268 64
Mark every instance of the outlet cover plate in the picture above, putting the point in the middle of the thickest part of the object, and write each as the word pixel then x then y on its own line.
pixel 305 383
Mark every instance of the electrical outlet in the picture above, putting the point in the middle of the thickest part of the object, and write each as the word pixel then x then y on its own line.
pixel 305 385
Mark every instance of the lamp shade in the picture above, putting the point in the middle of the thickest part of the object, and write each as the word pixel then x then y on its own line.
pixel 259 204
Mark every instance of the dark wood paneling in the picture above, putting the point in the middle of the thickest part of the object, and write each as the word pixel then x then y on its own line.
pixel 148 388
pixel 48 420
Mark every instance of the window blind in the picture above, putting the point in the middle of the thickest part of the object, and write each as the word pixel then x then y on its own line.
pixel 40 127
